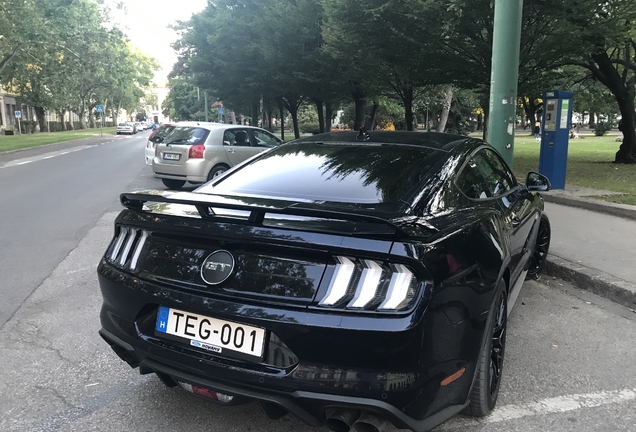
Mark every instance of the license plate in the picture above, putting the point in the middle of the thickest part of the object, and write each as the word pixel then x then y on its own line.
pixel 171 156
pixel 211 334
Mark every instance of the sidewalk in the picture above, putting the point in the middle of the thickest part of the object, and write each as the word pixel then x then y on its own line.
pixel 592 243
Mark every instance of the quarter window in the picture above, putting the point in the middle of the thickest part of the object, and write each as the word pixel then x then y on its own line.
pixel 264 139
pixel 485 176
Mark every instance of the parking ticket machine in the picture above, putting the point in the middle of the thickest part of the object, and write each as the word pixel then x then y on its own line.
pixel 555 134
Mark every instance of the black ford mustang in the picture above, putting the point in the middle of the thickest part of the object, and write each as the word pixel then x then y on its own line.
pixel 351 279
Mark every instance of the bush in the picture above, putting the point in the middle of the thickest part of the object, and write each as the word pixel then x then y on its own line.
pixel 312 128
pixel 602 128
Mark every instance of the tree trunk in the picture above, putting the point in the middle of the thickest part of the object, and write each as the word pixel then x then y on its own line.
pixel 625 153
pixel 294 115
pixel 91 119
pixel 61 114
pixel 254 120
pixel 40 113
pixel 328 116
pixel 624 92
pixel 446 104
pixel 270 114
pixel 371 121
pixel 361 107
pixel 82 114
pixel 282 120
pixel 408 108
pixel 321 114
pixel 592 123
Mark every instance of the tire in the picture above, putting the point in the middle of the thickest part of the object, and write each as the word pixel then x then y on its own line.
pixel 541 247
pixel 217 171
pixel 483 396
pixel 173 184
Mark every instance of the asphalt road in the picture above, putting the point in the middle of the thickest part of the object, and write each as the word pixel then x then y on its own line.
pixel 51 196
pixel 569 364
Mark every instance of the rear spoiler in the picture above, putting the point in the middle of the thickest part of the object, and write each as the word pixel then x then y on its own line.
pixel 257 210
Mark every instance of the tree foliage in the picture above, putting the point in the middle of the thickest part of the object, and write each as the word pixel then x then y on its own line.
pixel 58 55
pixel 334 51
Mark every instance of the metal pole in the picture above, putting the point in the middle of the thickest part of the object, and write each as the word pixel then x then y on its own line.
pixel 504 76
pixel 205 97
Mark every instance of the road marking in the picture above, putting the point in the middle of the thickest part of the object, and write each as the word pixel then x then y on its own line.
pixel 555 405
pixel 561 404
pixel 44 156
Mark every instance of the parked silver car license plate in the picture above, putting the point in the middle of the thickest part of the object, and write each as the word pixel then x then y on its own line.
pixel 211 334
pixel 171 156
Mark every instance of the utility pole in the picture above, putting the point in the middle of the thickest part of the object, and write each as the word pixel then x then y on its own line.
pixel 504 76
pixel 205 97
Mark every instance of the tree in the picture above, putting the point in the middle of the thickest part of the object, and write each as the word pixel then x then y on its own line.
pixel 600 36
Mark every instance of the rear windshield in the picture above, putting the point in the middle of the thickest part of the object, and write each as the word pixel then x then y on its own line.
pixel 123 124
pixel 347 173
pixel 161 132
pixel 186 135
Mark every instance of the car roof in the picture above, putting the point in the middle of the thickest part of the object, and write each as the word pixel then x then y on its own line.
pixel 442 141
pixel 211 125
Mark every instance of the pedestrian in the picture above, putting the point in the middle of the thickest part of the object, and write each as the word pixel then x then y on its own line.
pixel 153 126
pixel 537 131
pixel 573 133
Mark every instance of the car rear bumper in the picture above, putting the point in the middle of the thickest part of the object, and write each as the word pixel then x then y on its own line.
pixel 192 170
pixel 309 406
pixel 394 370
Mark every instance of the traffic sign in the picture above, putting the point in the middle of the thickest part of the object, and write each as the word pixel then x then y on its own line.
pixel 99 108
pixel 221 110
pixel 18 114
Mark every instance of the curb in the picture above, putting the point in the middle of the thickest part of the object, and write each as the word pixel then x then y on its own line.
pixel 620 210
pixel 600 283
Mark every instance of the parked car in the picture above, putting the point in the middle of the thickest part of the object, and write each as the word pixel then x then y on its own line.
pixel 349 279
pixel 126 128
pixel 196 152
pixel 154 137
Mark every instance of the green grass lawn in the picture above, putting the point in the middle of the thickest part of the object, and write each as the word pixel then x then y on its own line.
pixel 589 165
pixel 15 142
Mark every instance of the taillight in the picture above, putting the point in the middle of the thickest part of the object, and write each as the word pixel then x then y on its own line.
pixel 126 247
pixel 196 151
pixel 370 285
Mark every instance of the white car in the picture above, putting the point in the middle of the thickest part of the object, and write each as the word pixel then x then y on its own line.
pixel 126 128
pixel 154 137
pixel 196 152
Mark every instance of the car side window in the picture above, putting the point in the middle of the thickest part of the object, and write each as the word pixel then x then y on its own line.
pixel 265 139
pixel 498 177
pixel 485 176
pixel 236 137
pixel 471 181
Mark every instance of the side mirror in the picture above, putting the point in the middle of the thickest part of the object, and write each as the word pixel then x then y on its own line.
pixel 536 182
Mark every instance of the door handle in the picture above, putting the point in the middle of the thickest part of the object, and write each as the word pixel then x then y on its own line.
pixel 232 151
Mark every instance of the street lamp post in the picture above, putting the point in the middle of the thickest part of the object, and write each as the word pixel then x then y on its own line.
pixel 504 76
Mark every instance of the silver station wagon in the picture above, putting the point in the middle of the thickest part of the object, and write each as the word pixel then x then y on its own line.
pixel 196 152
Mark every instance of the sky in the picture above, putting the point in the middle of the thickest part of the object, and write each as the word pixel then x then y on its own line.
pixel 146 24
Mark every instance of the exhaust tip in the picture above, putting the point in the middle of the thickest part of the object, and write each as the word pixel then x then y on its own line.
pixel 370 423
pixel 340 419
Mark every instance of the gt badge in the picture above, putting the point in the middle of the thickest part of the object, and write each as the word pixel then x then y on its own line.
pixel 217 267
